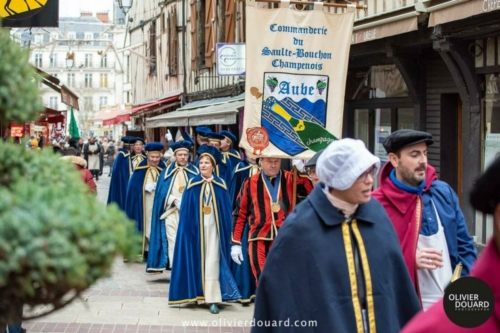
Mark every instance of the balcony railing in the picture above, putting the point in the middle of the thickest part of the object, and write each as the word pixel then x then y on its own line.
pixel 78 65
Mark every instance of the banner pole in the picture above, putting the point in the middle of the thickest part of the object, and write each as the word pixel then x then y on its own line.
pixel 326 4
pixel 294 192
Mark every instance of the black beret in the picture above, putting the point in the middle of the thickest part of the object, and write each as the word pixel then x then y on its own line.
pixel 485 194
pixel 312 162
pixel 404 138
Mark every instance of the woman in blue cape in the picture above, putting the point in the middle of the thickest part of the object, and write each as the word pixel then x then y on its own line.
pixel 200 271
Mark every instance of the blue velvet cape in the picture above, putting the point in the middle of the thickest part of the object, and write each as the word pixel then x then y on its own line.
pixel 233 156
pixel 186 280
pixel 120 176
pixel 158 244
pixel 242 273
pixel 134 204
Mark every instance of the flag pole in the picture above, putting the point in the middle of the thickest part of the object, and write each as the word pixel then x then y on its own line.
pixel 294 192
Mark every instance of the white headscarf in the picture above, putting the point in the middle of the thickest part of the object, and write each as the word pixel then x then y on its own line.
pixel 343 161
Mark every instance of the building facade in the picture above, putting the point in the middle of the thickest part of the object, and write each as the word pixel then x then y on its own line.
pixel 81 53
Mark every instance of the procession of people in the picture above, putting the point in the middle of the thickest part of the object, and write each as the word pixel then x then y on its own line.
pixel 230 226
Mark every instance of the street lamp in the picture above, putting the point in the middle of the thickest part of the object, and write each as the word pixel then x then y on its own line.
pixel 125 5
pixel 70 63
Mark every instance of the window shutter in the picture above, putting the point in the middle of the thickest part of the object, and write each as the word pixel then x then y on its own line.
pixel 173 65
pixel 194 37
pixel 242 25
pixel 230 22
pixel 209 32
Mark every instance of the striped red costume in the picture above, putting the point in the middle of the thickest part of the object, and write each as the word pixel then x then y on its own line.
pixel 256 209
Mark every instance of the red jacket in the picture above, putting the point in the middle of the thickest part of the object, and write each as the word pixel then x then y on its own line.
pixel 405 211
pixel 255 207
pixel 87 179
pixel 487 268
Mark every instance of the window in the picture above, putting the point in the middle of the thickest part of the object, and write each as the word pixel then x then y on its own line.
pixel 38 60
pixel 88 59
pixel 103 80
pixel 71 80
pixel 71 35
pixel 53 103
pixel 38 39
pixel 88 80
pixel 103 101
pixel 373 82
pixel 87 103
pixel 54 36
pixel 104 61
pixel 80 35
pixel 53 60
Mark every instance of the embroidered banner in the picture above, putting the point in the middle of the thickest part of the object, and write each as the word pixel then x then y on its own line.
pixel 296 71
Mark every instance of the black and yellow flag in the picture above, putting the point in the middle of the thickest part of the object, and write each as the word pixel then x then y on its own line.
pixel 29 13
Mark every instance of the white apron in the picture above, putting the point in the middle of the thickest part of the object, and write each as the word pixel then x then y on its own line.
pixel 432 283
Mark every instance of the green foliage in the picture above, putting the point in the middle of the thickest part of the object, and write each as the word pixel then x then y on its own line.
pixel 54 236
pixel 19 95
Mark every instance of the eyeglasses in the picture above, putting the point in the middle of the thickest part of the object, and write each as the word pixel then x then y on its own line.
pixel 311 171
pixel 372 172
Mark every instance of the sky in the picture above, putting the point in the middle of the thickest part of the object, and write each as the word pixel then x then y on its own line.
pixel 72 8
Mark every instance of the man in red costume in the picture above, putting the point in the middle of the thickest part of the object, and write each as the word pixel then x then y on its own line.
pixel 426 215
pixel 266 200
pixel 484 197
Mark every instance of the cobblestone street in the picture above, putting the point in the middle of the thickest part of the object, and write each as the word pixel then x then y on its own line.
pixel 131 301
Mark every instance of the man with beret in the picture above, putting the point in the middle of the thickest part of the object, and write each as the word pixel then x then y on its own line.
pixel 224 169
pixel 485 197
pixel 141 192
pixel 426 215
pixel 336 261
pixel 201 139
pixel 310 167
pixel 137 154
pixel 167 201
pixel 121 171
pixel 227 150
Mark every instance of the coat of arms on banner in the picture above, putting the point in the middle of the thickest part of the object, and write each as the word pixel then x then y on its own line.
pixel 294 111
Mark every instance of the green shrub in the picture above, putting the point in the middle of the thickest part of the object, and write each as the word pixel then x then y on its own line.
pixel 54 236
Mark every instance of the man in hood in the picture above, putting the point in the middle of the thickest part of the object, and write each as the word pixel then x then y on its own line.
pixel 426 215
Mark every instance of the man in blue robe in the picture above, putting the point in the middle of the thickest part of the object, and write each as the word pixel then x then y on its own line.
pixel 243 273
pixel 137 154
pixel 141 191
pixel 200 271
pixel 224 168
pixel 120 174
pixel 165 218
pixel 227 148
pixel 201 140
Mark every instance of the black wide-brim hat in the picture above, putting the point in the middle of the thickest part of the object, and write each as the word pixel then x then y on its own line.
pixel 404 138
pixel 485 194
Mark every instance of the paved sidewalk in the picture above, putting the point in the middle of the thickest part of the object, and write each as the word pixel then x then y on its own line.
pixel 133 302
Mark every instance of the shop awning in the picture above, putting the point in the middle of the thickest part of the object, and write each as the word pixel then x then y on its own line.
pixel 207 112
pixel 67 96
pixel 117 117
pixel 387 24
pixel 168 100
pixel 455 10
